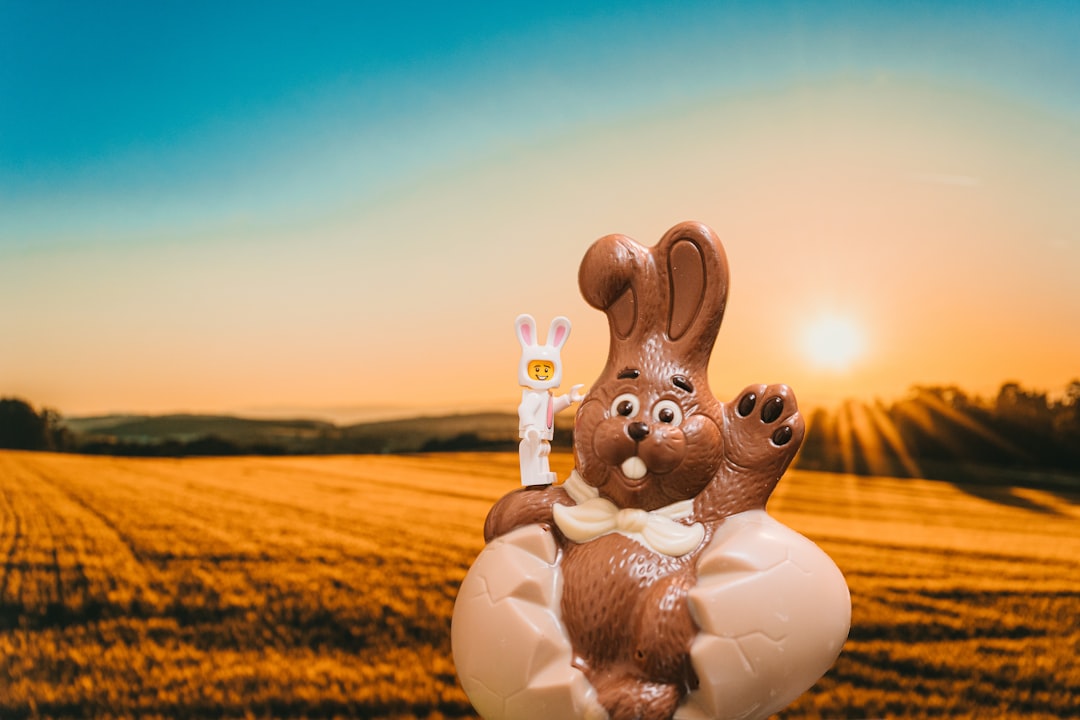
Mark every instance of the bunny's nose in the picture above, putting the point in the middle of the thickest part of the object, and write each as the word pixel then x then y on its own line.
pixel 637 430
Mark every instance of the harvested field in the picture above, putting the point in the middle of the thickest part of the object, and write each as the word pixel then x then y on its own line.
pixel 323 586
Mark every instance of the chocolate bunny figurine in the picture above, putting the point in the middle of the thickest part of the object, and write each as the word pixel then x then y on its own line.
pixel 652 584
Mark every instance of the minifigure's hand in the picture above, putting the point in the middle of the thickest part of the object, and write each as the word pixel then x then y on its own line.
pixel 532 435
pixel 576 395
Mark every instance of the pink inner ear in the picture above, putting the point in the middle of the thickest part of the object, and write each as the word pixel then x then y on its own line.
pixel 526 332
pixel 560 333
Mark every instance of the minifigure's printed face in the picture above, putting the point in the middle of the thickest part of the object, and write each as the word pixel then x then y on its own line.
pixel 541 370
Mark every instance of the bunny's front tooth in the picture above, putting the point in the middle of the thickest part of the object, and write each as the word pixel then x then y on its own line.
pixel 634 468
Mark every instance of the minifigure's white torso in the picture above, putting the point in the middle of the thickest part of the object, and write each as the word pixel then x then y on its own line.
pixel 537 412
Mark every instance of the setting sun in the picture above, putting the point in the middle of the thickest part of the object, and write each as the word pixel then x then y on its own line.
pixel 833 342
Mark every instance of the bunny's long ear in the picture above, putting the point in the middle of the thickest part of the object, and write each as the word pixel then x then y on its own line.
pixel 525 327
pixel 616 276
pixel 558 333
pixel 694 277
pixel 673 293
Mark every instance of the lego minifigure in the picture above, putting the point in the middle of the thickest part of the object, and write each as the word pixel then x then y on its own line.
pixel 540 372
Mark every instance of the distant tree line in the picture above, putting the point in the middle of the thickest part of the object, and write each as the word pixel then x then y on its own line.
pixel 23 428
pixel 468 441
pixel 936 429
pixel 203 446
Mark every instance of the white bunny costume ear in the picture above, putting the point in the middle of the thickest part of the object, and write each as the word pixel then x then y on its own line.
pixel 531 350
pixel 558 333
pixel 525 327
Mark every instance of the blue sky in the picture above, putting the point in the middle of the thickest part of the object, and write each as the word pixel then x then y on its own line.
pixel 201 112
pixel 257 148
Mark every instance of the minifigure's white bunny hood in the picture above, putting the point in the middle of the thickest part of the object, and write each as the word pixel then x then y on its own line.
pixel 532 350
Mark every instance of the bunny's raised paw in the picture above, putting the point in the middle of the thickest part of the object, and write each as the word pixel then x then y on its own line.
pixel 764 431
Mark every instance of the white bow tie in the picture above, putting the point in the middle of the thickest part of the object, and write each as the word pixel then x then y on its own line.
pixel 594 516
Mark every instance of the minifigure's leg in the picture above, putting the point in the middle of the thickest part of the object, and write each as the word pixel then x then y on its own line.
pixel 533 455
pixel 544 469
pixel 529 456
pixel 527 461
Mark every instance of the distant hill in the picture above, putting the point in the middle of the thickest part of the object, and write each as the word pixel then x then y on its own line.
pixel 490 430
pixel 226 434
pixel 136 430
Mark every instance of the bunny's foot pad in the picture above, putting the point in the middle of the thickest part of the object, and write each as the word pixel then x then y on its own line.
pixel 774 611
pixel 510 648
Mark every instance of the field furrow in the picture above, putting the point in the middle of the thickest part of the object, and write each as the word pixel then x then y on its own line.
pixel 12 535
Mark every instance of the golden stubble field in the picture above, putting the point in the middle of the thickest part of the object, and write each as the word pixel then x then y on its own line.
pixel 323 586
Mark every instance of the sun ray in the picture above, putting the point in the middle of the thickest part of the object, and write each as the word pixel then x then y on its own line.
pixel 845 438
pixel 831 431
pixel 918 414
pixel 936 423
pixel 869 439
pixel 891 436
pixel 936 404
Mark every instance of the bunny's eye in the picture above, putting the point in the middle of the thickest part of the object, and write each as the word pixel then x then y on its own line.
pixel 625 405
pixel 667 412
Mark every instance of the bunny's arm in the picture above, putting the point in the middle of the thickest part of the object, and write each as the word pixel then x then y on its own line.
pixel 525 506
